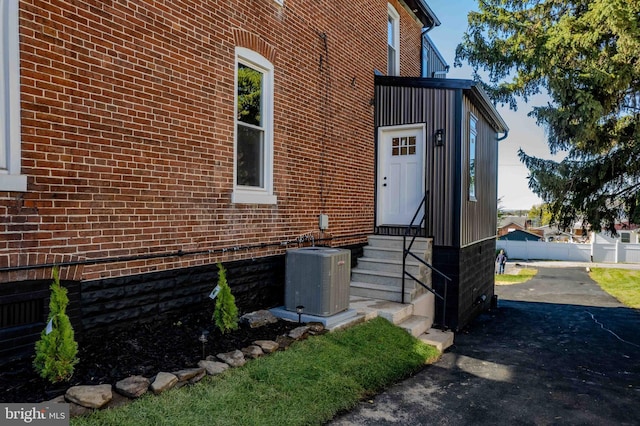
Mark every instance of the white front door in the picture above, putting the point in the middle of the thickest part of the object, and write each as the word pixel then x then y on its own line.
pixel 400 174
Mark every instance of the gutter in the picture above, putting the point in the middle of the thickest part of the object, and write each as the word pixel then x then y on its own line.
pixel 421 8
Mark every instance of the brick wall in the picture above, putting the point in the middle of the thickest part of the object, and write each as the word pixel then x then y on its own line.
pixel 128 129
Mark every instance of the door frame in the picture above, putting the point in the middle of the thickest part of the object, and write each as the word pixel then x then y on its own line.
pixel 381 131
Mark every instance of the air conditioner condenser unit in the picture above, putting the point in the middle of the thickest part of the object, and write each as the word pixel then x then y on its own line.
pixel 318 279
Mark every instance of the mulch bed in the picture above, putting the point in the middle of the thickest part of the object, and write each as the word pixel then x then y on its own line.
pixel 107 356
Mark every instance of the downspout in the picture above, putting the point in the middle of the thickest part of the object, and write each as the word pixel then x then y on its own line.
pixel 506 133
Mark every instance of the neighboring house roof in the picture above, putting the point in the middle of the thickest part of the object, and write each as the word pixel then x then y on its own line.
pixel 520 235
pixel 626 226
pixel 548 229
pixel 509 227
pixel 513 220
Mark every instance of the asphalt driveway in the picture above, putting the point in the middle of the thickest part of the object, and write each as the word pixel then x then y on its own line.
pixel 558 350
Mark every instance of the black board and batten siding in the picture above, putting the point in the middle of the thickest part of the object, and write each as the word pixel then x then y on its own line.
pixel 398 105
pixel 479 216
pixel 463 229
pixel 453 219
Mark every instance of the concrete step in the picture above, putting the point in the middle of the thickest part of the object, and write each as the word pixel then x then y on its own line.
pixel 425 304
pixel 416 324
pixel 388 253
pixel 393 279
pixel 438 338
pixel 385 241
pixel 387 265
pixel 381 292
pixel 392 311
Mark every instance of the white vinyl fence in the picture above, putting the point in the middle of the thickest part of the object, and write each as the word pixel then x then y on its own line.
pixel 610 252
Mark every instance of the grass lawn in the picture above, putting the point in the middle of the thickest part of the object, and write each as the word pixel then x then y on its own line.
pixel 522 276
pixel 623 284
pixel 308 384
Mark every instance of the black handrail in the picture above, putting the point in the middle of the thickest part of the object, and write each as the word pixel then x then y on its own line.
pixel 407 252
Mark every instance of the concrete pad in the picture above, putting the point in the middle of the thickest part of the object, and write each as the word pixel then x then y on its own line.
pixel 328 322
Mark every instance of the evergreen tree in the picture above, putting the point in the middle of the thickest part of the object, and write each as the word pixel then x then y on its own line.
pixel 225 314
pixel 586 55
pixel 56 351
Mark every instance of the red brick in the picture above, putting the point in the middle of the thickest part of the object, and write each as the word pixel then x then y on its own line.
pixel 128 127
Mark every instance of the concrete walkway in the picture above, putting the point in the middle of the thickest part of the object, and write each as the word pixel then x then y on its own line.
pixel 558 350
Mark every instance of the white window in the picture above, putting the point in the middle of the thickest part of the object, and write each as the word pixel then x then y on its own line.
pixel 253 171
pixel 473 135
pixel 424 57
pixel 10 155
pixel 625 237
pixel 393 41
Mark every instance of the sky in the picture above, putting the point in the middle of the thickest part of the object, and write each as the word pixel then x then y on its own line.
pixel 513 186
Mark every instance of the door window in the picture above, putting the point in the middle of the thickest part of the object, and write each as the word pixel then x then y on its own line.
pixel 403 146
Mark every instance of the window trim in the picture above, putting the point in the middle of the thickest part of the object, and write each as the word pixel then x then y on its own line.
pixel 394 17
pixel 472 174
pixel 10 137
pixel 247 194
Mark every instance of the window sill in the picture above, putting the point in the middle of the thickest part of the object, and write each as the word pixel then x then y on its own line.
pixel 250 197
pixel 13 183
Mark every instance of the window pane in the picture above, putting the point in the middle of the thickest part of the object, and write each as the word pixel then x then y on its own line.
pixel 249 95
pixel 250 156
pixel 425 58
pixel 392 61
pixel 472 166
pixel 392 45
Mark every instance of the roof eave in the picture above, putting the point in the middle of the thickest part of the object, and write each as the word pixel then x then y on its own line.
pixel 424 13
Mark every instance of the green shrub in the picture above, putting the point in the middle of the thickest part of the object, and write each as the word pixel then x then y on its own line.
pixel 57 350
pixel 225 314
